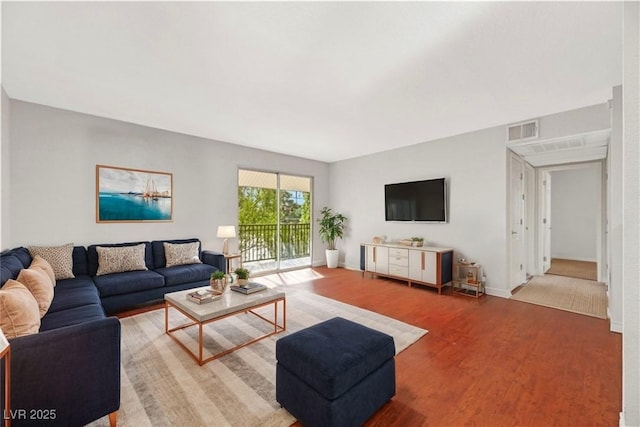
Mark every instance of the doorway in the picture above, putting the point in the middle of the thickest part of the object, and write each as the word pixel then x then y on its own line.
pixel 274 220
pixel 572 212
pixel 571 237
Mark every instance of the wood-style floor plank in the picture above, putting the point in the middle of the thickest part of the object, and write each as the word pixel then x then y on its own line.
pixel 489 362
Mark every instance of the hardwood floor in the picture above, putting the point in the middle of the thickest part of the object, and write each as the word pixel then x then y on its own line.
pixel 487 362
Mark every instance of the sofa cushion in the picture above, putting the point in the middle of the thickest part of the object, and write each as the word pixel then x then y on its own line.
pixel 40 286
pixel 19 312
pixel 80 261
pixel 159 258
pixel 120 259
pixel 72 293
pixel 72 316
pixel 41 264
pixel 22 254
pixel 186 273
pixel 10 267
pixel 182 253
pixel 92 255
pixel 127 282
pixel 59 257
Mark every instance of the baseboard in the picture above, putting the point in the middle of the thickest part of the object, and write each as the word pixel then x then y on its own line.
pixel 496 292
pixel 615 327
pixel 350 267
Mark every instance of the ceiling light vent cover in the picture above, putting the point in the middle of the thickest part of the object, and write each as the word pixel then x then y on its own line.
pixel 522 131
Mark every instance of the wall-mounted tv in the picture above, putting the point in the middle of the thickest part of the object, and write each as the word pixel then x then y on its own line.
pixel 416 201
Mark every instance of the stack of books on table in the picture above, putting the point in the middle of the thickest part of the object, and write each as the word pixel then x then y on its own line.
pixel 249 288
pixel 203 296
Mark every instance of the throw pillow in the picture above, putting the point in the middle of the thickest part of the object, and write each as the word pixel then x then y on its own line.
pixel 59 257
pixel 181 253
pixel 119 259
pixel 19 313
pixel 41 264
pixel 40 286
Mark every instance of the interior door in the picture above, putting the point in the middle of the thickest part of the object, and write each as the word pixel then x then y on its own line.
pixel 516 220
pixel 530 219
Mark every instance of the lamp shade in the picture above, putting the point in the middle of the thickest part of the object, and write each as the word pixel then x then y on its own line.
pixel 226 231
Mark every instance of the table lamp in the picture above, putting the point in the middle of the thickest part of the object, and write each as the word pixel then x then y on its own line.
pixel 226 232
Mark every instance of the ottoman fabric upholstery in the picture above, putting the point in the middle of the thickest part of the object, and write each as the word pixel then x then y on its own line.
pixel 335 373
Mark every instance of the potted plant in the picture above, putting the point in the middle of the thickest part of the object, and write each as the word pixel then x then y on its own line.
pixel 417 241
pixel 331 228
pixel 243 276
pixel 218 281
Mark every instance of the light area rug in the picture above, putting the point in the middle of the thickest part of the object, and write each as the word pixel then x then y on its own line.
pixel 580 296
pixel 572 268
pixel 163 386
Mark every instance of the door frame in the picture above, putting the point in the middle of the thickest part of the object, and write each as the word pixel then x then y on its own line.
pixel 601 213
pixel 544 220
pixel 278 175
pixel 530 218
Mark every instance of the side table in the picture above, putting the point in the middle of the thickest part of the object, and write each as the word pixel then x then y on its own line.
pixel 468 280
pixel 228 258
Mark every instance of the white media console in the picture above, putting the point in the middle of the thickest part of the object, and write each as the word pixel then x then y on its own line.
pixel 427 265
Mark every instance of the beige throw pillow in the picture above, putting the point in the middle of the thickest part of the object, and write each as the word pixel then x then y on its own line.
pixel 181 253
pixel 41 264
pixel 120 258
pixel 19 313
pixel 40 286
pixel 59 257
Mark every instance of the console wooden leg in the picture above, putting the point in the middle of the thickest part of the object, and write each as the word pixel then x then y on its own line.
pixel 113 419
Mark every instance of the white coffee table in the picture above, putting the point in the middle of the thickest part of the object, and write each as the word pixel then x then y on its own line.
pixel 230 304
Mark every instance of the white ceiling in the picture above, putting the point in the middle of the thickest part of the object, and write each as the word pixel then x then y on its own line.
pixel 320 80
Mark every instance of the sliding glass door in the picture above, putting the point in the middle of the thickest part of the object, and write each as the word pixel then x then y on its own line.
pixel 274 220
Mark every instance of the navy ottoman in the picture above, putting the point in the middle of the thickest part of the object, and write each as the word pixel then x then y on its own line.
pixel 335 373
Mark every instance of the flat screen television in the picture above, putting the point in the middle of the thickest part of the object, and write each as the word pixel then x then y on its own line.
pixel 416 201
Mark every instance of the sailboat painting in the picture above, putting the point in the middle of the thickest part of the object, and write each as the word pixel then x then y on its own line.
pixel 133 195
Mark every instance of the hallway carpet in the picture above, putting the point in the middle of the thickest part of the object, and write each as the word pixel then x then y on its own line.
pixel 580 296
pixel 572 268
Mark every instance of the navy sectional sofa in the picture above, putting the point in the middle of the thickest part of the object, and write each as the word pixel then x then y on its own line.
pixel 70 370
pixel 121 291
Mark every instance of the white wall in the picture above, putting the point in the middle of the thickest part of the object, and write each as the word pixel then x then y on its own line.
pixel 54 154
pixel 5 231
pixel 572 122
pixel 614 208
pixel 575 206
pixel 474 163
pixel 631 199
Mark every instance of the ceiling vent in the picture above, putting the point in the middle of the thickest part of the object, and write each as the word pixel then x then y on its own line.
pixel 522 131
pixel 584 147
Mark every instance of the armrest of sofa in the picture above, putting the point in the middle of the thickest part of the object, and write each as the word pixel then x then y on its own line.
pixel 70 375
pixel 215 259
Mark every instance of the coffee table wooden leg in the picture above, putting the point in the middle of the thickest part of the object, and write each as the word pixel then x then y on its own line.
pixel 166 317
pixel 200 343
pixel 275 318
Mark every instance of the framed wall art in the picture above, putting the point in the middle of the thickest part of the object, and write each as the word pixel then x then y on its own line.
pixel 133 195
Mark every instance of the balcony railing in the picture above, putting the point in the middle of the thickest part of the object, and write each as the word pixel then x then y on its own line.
pixel 258 242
